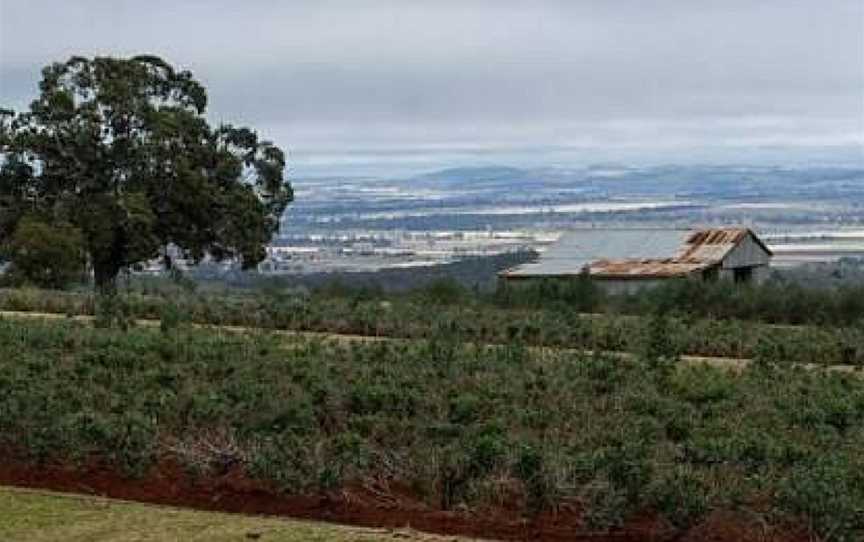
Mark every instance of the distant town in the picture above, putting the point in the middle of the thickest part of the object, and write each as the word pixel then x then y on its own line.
pixel 344 224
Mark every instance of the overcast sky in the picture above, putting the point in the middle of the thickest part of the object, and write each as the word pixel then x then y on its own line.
pixel 360 74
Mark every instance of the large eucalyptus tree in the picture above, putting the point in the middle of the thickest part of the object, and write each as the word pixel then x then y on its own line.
pixel 120 149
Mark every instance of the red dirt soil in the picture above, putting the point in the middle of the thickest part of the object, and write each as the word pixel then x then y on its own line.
pixel 382 507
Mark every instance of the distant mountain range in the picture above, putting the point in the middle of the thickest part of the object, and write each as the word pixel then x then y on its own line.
pixel 466 197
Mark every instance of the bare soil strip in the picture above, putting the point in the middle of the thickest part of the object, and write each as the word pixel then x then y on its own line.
pixel 386 508
pixel 361 505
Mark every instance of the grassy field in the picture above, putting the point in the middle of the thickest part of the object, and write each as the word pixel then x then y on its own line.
pixel 31 516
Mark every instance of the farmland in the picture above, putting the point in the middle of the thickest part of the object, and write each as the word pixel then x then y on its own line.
pixel 548 271
pixel 776 323
pixel 445 435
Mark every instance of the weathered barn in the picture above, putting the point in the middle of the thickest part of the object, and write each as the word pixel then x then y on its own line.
pixel 628 259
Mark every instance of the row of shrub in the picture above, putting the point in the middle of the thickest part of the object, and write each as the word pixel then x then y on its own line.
pixel 464 426
pixel 777 301
pixel 422 315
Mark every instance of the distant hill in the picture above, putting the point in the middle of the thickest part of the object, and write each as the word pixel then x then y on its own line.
pixel 617 179
pixel 461 198
pixel 471 176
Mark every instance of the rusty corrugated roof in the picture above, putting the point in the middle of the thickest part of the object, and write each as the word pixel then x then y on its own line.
pixel 711 245
pixel 664 268
pixel 700 250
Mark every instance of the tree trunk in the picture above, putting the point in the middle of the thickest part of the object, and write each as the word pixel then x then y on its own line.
pixel 105 277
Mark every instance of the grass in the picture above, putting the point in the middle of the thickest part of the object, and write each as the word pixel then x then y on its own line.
pixel 37 516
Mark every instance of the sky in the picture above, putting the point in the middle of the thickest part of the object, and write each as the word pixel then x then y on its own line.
pixel 421 81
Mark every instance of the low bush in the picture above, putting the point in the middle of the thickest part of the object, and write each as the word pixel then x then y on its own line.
pixel 464 425
pixel 465 317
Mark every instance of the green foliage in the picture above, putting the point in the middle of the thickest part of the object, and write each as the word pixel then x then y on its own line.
pixel 443 292
pixel 701 385
pixel 659 346
pixel 681 497
pixel 113 311
pixel 373 313
pixel 606 507
pixel 465 425
pixel 580 294
pixel 830 494
pixel 120 149
pixel 47 255
pixel 530 470
pixel 777 301
pixel 170 318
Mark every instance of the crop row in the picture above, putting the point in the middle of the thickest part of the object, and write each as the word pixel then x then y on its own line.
pixel 415 317
pixel 463 426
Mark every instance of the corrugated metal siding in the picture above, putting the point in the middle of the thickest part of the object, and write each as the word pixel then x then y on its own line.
pixel 748 253
pixel 614 286
pixel 578 248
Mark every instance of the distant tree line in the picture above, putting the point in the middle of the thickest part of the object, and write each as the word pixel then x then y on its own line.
pixel 474 273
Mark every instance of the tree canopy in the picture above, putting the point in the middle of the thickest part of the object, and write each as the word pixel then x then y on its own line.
pixel 120 149
pixel 44 255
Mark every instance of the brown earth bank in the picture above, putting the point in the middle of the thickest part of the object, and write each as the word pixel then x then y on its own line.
pixel 381 506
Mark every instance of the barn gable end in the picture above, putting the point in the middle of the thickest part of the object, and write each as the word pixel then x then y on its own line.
pixel 748 252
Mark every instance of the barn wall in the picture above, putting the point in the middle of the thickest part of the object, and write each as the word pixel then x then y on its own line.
pixel 761 274
pixel 629 286
pixel 748 253
pixel 611 286
pixel 518 284
pixel 726 274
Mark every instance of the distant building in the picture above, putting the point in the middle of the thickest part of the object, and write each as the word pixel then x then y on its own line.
pixel 624 260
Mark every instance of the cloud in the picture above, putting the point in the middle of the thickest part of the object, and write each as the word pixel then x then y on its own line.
pixel 365 72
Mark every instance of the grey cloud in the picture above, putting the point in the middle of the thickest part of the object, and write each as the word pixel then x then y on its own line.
pixel 623 72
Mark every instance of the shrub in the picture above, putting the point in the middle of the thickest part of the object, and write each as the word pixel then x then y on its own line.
pixel 659 346
pixel 830 494
pixel 443 292
pixel 112 310
pixel 531 471
pixel 465 425
pixel 681 497
pixel 170 317
pixel 48 255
